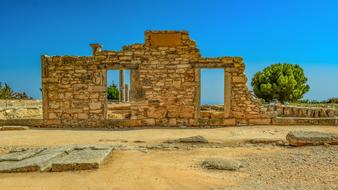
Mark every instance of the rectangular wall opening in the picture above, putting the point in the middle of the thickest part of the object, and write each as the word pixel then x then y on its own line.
pixel 118 94
pixel 212 93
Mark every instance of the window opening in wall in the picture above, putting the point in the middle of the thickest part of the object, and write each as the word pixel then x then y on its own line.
pixel 212 93
pixel 118 94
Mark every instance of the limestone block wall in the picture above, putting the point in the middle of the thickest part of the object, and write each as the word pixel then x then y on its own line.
pixel 245 108
pixel 20 109
pixel 239 106
pixel 168 80
pixel 164 90
pixel 73 91
pixel 305 112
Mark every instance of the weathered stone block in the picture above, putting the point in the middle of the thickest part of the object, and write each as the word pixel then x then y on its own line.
pixel 229 122
pixel 186 114
pixel 221 164
pixel 148 121
pixel 54 105
pixel 165 39
pixel 238 79
pixel 300 138
pixel 97 88
pixel 205 114
pixel 52 116
pixel 172 121
pixel 156 113
pixel 95 105
pixel 78 87
pixel 83 116
pixel 215 121
pixel 55 159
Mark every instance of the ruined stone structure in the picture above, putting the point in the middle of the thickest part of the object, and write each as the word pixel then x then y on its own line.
pixel 164 89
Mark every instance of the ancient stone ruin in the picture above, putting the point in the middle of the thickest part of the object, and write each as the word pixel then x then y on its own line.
pixel 164 88
pixel 55 159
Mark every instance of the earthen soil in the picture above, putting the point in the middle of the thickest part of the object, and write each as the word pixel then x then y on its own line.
pixel 145 162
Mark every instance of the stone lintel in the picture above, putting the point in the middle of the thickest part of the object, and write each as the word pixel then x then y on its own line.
pixel 120 66
pixel 165 38
pixel 213 65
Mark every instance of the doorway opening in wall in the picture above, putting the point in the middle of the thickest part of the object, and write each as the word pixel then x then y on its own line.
pixel 212 93
pixel 118 94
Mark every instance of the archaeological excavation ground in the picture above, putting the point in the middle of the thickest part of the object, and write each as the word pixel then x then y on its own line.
pixel 240 158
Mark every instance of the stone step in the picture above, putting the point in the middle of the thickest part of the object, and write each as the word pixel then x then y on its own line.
pixel 119 111
pixel 122 106
pixel 304 121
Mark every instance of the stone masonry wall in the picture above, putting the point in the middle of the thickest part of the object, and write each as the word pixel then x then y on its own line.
pixel 164 90
pixel 73 91
pixel 305 112
pixel 168 81
pixel 20 109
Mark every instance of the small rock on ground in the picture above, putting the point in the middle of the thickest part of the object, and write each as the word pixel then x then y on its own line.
pixel 267 141
pixel 138 141
pixel 20 155
pixel 221 164
pixel 192 139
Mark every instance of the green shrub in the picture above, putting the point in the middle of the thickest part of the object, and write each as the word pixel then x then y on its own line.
pixel 112 92
pixel 282 82
pixel 332 101
pixel 6 92
pixel 307 101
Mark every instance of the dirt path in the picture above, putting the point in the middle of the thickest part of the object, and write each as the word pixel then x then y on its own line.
pixel 265 166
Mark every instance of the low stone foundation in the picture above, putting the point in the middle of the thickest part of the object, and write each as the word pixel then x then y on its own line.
pixel 29 113
pixel 307 112
pixel 20 109
pixel 297 115
pixel 22 122
pixel 304 121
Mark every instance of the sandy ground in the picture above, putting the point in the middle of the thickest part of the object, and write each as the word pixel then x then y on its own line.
pixel 150 165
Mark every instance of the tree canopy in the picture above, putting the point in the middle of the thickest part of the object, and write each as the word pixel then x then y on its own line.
pixel 112 92
pixel 282 82
pixel 6 92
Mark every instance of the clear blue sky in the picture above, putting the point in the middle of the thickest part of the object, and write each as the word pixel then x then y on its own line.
pixel 303 32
